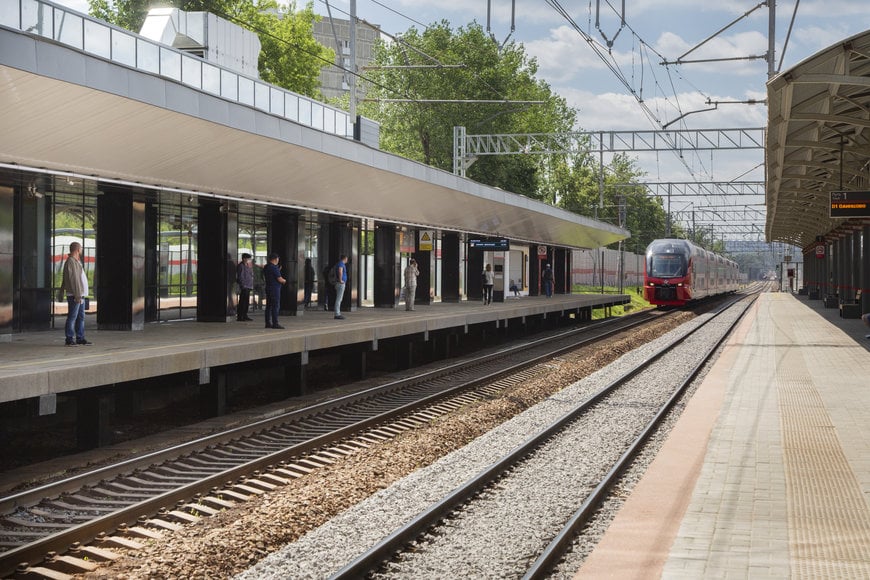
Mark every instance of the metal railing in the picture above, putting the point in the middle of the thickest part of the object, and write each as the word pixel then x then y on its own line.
pixel 103 40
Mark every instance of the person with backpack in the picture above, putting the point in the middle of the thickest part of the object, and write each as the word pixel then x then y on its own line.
pixel 547 279
pixel 340 273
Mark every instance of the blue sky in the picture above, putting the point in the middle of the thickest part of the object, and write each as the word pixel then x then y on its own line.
pixel 654 29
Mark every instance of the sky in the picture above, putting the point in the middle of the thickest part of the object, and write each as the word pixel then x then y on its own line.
pixel 629 89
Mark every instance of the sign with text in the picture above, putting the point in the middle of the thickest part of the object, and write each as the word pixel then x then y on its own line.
pixel 491 244
pixel 846 204
pixel 426 241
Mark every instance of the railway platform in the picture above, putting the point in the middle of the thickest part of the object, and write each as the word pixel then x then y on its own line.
pixel 38 364
pixel 766 473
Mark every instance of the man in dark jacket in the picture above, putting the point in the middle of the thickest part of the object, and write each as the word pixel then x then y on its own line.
pixel 245 280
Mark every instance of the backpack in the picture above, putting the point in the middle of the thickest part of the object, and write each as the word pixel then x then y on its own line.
pixel 331 275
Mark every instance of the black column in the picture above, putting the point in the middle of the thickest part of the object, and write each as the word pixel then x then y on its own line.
pixel 450 282
pixel 534 272
pixel 216 251
pixel 151 262
pixel 284 240
pixel 474 285
pixel 25 262
pixel 7 253
pixel 120 274
pixel 387 279
pixel 865 272
pixel 560 264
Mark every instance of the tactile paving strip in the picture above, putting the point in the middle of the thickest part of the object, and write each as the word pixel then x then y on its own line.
pixel 829 519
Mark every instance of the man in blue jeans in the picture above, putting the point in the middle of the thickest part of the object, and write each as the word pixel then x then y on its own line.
pixel 75 284
pixel 274 281
pixel 547 278
pixel 341 282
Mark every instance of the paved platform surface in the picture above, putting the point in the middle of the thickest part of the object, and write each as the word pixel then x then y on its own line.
pixel 38 363
pixel 767 473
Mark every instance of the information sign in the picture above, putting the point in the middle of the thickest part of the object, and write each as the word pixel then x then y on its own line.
pixel 492 244
pixel 846 204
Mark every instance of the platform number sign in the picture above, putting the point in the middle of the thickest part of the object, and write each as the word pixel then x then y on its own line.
pixel 846 204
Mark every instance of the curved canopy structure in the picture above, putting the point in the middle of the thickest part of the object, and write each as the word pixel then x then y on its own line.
pixel 818 141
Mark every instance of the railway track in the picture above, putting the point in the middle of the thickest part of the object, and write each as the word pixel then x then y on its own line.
pixel 120 504
pixel 491 505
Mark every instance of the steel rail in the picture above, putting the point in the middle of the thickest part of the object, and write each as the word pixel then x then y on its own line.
pixel 560 543
pixel 381 551
pixel 88 531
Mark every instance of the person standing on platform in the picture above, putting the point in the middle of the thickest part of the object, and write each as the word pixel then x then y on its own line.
pixel 308 282
pixel 488 281
pixel 547 279
pixel 75 284
pixel 245 280
pixel 274 281
pixel 340 284
pixel 411 273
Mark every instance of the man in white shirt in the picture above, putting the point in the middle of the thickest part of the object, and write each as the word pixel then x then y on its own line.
pixel 75 284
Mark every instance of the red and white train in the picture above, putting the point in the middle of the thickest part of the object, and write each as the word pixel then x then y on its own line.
pixel 677 272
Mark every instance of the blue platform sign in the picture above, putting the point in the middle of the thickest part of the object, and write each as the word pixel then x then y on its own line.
pixel 492 244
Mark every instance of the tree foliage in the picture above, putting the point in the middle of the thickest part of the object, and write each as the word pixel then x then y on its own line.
pixel 290 57
pixel 423 130
pixel 619 198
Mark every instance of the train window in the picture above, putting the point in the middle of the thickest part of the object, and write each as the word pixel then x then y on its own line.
pixel 666 265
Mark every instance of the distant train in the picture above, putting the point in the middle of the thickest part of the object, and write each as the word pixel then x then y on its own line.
pixel 677 272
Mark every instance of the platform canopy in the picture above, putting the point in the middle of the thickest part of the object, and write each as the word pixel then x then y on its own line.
pixel 68 111
pixel 818 142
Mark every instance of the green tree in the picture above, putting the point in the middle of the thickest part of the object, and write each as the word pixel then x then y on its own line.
pixel 290 57
pixel 473 68
pixel 573 183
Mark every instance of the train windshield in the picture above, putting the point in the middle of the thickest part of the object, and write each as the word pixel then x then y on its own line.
pixel 666 266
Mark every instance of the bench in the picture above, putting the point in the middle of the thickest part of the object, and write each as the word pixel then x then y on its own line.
pixel 832 301
pixel 851 308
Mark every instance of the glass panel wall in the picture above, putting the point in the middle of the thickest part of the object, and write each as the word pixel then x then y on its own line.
pixel 75 217
pixel 254 239
pixel 176 256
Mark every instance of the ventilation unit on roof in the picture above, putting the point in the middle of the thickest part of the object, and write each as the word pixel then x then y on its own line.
pixel 205 35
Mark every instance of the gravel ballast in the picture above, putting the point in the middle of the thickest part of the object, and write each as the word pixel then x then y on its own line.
pixel 303 513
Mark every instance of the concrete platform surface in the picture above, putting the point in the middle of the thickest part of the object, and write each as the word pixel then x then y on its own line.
pixel 767 472
pixel 37 363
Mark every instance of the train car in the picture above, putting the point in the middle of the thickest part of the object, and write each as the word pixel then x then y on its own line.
pixel 677 272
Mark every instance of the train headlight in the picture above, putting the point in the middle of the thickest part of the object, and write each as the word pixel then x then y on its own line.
pixel 680 285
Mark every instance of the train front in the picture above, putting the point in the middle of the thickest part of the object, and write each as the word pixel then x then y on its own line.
pixel 667 274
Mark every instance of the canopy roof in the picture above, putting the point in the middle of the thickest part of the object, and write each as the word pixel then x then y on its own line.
pixel 818 141
pixel 66 110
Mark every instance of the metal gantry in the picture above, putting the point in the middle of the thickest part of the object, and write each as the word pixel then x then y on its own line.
pixel 467 148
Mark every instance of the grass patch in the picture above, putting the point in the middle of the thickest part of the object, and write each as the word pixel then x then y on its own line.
pixel 637 300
